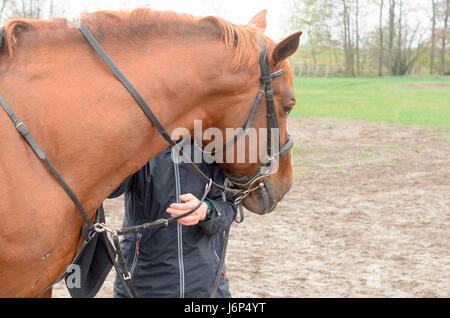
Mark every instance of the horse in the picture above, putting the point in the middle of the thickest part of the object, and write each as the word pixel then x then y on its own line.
pixel 188 68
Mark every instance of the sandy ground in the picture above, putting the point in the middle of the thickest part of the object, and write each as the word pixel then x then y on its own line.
pixel 367 216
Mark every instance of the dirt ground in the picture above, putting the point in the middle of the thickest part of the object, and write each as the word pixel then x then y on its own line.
pixel 367 216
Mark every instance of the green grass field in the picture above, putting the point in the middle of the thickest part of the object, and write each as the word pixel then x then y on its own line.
pixel 398 100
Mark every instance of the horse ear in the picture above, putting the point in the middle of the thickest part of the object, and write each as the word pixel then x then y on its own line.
pixel 286 48
pixel 259 20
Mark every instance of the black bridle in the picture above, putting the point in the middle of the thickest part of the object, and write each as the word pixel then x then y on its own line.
pixel 236 187
pixel 273 151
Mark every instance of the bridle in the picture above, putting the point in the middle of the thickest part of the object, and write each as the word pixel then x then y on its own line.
pixel 246 184
pixel 238 187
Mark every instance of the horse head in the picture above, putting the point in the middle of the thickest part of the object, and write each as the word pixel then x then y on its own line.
pixel 268 178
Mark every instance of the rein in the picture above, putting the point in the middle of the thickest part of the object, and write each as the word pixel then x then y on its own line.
pixel 236 187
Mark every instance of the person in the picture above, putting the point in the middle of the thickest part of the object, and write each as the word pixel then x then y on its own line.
pixel 182 259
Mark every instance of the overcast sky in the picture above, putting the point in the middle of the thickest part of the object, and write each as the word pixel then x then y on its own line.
pixel 241 11
pixel 237 11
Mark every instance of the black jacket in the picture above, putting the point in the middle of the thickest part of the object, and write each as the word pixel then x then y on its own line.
pixel 174 261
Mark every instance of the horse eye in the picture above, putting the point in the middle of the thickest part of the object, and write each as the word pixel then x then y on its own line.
pixel 287 109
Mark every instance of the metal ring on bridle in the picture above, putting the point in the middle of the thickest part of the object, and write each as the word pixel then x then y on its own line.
pixel 101 227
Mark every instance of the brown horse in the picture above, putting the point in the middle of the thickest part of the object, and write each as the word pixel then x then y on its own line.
pixel 93 132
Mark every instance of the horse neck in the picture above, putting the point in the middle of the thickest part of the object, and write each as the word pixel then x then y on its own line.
pixel 90 127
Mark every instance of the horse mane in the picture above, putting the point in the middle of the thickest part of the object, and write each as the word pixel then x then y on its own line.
pixel 16 28
pixel 140 23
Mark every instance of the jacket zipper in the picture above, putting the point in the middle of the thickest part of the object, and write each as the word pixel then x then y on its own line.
pixel 179 226
pixel 217 256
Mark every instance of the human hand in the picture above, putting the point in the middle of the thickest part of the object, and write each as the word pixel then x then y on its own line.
pixel 190 202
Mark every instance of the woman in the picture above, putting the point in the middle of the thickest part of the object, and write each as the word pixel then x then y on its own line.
pixel 182 259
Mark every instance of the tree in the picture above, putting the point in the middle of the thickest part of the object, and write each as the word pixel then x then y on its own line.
pixel 433 35
pixel 409 45
pixel 3 7
pixel 28 9
pixel 391 32
pixel 348 41
pixel 444 35
pixel 357 36
pixel 380 61
pixel 314 18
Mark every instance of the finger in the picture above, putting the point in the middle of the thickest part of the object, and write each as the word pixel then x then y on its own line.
pixel 187 197
pixel 184 206
pixel 176 212
pixel 190 219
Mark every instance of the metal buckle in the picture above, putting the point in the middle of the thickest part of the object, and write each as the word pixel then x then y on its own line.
pixel 209 185
pixel 101 227
pixel 239 199
pixel 267 168
pixel 126 276
pixel 22 129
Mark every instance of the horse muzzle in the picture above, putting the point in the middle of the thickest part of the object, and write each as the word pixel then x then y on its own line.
pixel 265 199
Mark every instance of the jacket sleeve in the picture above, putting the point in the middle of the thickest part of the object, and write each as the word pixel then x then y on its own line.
pixel 224 211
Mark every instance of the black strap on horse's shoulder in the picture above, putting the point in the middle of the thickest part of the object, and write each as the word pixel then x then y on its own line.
pixel 20 126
